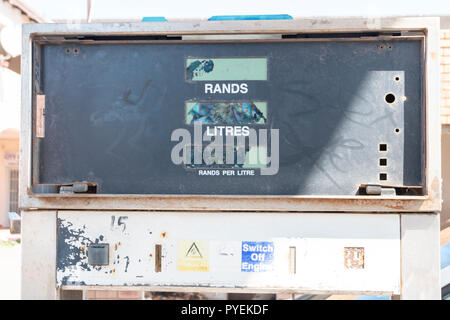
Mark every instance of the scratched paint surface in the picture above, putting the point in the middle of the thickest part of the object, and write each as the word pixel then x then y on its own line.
pixel 327 98
pixel 209 249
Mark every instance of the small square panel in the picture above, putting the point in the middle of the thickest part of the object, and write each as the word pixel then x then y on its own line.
pixel 354 258
pixel 98 254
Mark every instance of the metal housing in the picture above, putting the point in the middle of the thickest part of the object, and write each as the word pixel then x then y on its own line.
pixel 319 239
pixel 430 201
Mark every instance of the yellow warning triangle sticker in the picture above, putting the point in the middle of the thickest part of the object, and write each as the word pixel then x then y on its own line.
pixel 193 251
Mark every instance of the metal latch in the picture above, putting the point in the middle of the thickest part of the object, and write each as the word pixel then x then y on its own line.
pixel 79 187
pixel 389 190
pixel 378 190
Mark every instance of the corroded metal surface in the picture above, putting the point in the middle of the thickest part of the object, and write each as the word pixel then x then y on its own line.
pixel 208 203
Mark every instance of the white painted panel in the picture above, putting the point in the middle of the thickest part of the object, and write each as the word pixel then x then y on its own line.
pixel 420 256
pixel 38 255
pixel 319 240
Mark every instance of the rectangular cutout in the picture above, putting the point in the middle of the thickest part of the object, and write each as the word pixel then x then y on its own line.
pixel 383 176
pixel 98 254
pixel 383 147
pixel 230 113
pixel 292 260
pixel 239 157
pixel 158 250
pixel 383 162
pixel 226 69
pixel 354 258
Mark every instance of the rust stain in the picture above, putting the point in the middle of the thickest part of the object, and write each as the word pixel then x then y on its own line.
pixel 227 204
pixel 163 234
pixel 396 206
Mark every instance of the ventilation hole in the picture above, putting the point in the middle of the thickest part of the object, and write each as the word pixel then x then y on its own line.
pixel 397 78
pixel 389 98
pixel 68 50
pixel 390 47
pixel 75 51
pixel 397 130
pixel 383 147
pixel 383 176
pixel 381 47
pixel 383 162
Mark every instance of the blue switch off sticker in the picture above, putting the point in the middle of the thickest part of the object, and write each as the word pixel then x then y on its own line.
pixel 257 256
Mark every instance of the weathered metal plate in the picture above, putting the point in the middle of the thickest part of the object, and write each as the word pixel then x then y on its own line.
pixel 111 110
pixel 232 250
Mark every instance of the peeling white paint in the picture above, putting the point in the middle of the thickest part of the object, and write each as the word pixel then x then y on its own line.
pixel 319 242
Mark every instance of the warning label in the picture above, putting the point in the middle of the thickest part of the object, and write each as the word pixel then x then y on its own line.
pixel 257 256
pixel 193 255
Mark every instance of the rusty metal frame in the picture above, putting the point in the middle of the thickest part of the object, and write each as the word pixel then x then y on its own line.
pixel 430 202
